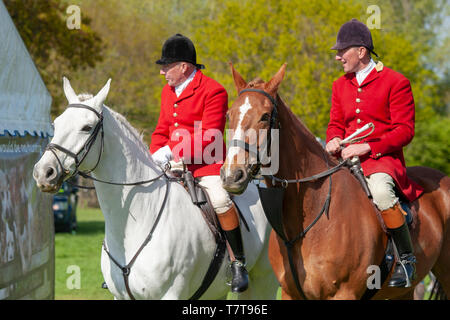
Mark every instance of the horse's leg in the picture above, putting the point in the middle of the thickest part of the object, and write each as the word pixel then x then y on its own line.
pixel 440 269
pixel 286 296
pixel 263 284
pixel 408 295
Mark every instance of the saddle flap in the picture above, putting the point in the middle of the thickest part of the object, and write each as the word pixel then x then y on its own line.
pixel 272 202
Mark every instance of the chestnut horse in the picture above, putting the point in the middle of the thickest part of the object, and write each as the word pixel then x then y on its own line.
pixel 333 259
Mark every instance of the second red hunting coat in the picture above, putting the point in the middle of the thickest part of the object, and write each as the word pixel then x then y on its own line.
pixel 385 99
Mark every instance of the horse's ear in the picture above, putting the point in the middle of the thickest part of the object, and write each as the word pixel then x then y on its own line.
pixel 101 96
pixel 239 82
pixel 272 86
pixel 69 92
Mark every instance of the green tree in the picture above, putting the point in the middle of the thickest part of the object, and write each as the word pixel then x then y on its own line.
pixel 259 35
pixel 55 49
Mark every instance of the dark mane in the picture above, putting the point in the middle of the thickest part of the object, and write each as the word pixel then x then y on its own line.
pixel 302 130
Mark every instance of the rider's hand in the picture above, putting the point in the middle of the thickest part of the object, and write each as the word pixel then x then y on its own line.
pixel 333 146
pixel 162 155
pixel 352 150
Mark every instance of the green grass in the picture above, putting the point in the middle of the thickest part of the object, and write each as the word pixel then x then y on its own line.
pixel 81 249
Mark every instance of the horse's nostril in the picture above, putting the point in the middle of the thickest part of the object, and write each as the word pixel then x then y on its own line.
pixel 50 172
pixel 239 174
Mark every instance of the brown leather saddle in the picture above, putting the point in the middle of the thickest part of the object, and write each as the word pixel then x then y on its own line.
pixel 200 198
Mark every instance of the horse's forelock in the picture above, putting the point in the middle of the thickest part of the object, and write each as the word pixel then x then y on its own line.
pixel 85 96
pixel 255 82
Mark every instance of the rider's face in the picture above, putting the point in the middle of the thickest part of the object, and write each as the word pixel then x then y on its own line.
pixel 350 58
pixel 173 73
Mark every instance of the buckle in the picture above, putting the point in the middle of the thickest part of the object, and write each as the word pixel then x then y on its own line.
pixel 126 271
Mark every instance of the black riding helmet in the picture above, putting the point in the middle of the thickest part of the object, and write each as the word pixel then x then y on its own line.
pixel 179 48
pixel 354 33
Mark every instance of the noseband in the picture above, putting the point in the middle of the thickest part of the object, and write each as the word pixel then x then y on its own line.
pixel 81 155
pixel 254 168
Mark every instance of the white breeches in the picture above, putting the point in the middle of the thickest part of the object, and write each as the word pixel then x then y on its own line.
pixel 219 197
pixel 381 185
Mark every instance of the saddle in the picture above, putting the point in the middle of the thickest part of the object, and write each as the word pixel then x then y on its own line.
pixel 201 199
pixel 355 168
pixel 390 254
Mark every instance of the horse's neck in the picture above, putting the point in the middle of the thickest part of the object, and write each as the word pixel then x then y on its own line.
pixel 128 210
pixel 304 156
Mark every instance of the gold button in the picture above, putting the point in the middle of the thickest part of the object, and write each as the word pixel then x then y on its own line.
pixel 176 124
pixel 358 111
pixel 358 100
pixel 359 90
pixel 175 114
pixel 358 121
pixel 175 105
pixel 378 154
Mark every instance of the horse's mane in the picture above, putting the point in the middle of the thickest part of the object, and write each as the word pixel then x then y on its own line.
pixel 122 121
pixel 299 126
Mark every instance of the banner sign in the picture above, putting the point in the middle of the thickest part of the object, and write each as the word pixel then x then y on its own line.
pixel 27 260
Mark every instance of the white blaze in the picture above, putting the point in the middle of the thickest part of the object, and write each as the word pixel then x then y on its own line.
pixel 239 134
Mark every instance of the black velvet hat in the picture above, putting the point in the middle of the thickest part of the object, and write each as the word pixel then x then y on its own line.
pixel 354 33
pixel 179 48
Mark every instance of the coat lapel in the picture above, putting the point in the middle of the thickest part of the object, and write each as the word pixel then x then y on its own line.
pixel 190 89
pixel 352 78
pixel 374 74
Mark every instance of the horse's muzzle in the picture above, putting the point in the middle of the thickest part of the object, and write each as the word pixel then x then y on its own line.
pixel 48 177
pixel 234 180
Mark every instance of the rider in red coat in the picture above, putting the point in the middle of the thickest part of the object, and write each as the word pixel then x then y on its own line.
pixel 204 102
pixel 370 92
pixel 190 127
pixel 386 100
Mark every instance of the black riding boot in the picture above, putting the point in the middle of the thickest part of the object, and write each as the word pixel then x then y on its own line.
pixel 402 240
pixel 239 282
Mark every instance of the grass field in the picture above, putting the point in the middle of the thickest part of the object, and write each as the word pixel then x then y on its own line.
pixel 79 254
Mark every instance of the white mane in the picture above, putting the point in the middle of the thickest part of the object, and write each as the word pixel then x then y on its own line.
pixel 122 121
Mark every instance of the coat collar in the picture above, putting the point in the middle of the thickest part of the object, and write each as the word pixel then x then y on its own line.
pixel 374 74
pixel 190 89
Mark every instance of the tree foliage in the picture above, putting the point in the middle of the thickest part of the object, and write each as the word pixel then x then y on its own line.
pixel 258 36
pixel 55 49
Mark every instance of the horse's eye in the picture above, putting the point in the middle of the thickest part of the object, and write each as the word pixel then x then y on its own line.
pixel 86 128
pixel 265 117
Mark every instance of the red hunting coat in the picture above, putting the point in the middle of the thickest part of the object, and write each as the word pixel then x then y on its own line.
pixel 203 102
pixel 385 99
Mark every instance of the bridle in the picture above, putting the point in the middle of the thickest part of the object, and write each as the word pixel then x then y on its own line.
pixel 273 124
pixel 83 152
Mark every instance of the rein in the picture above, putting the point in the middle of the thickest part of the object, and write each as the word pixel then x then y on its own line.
pixel 86 148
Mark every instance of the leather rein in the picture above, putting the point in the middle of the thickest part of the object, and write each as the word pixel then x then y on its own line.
pixel 254 168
